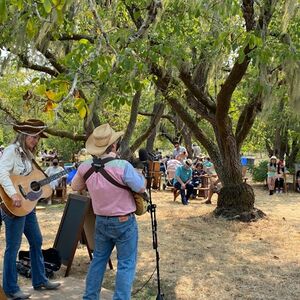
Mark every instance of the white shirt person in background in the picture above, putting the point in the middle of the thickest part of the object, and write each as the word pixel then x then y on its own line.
pixel 52 170
pixel 179 152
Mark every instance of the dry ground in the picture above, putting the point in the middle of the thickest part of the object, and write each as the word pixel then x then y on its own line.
pixel 203 257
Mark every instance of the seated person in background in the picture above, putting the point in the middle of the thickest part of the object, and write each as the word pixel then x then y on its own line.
pixel 198 172
pixel 52 170
pixel 196 150
pixel 179 152
pixel 298 181
pixel 280 173
pixel 215 187
pixel 244 165
pixel 83 155
pixel 172 165
pixel 197 160
pixel 182 180
pixel 208 166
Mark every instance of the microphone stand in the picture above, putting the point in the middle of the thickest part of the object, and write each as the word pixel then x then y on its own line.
pixel 152 209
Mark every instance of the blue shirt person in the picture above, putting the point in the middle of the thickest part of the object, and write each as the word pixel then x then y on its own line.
pixel 182 180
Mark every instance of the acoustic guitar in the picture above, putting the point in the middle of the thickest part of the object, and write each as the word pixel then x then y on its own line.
pixel 31 188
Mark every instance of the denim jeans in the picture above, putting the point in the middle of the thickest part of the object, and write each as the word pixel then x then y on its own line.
pixel 189 188
pixel 110 232
pixel 14 229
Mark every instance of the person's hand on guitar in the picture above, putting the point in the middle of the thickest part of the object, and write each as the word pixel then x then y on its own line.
pixel 17 200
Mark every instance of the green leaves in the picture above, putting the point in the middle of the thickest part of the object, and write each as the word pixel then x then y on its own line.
pixel 3 11
pixel 47 6
pixel 80 104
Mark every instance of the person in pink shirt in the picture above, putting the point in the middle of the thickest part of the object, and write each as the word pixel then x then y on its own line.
pixel 114 208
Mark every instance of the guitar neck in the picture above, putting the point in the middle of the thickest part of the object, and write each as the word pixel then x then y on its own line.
pixel 47 180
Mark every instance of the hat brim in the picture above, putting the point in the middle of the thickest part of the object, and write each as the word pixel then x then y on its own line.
pixel 19 130
pixel 92 149
pixel 31 127
pixel 43 135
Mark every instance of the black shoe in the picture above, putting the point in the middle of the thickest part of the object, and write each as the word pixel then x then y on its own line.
pixel 271 193
pixel 18 295
pixel 48 286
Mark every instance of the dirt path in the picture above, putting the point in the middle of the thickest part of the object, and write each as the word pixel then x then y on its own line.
pixel 285 206
pixel 203 257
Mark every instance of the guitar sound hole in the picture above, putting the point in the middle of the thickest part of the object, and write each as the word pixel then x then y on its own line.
pixel 35 186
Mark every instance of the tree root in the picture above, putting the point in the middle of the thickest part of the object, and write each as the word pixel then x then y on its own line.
pixel 247 216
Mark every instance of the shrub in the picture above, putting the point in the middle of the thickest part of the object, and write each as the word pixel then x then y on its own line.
pixel 260 172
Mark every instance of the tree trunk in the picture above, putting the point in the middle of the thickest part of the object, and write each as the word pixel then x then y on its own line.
pixel 187 137
pixel 151 138
pixel 236 202
pixel 125 153
pixel 236 198
pixel 291 158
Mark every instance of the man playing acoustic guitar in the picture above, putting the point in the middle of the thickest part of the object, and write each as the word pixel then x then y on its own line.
pixel 17 159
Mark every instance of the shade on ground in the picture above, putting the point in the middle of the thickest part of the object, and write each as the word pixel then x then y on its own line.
pixel 71 288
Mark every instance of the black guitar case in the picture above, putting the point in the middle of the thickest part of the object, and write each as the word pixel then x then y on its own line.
pixel 52 262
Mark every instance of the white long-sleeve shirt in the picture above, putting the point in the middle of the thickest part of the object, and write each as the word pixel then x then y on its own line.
pixel 52 170
pixel 11 162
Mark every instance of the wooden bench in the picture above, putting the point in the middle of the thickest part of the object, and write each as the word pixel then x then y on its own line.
pixel 61 191
pixel 175 193
pixel 202 191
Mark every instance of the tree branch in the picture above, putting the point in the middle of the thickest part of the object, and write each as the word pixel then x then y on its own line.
pixel 133 10
pixel 132 121
pixel 237 72
pixel 146 114
pixel 73 37
pixel 66 134
pixel 27 64
pixel 152 125
pixel 153 8
pixel 12 115
pixel 53 60
pixel 247 118
pixel 186 77
pixel 199 134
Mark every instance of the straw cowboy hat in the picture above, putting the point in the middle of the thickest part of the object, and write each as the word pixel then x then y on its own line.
pixel 188 162
pixel 102 137
pixel 31 127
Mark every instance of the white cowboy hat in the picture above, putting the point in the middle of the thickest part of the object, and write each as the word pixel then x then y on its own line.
pixel 273 157
pixel 102 137
pixel 188 162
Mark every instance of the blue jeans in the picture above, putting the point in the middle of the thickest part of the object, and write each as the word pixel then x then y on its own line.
pixel 110 232
pixel 14 229
pixel 189 188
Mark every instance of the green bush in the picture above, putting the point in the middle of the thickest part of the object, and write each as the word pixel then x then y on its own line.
pixel 260 172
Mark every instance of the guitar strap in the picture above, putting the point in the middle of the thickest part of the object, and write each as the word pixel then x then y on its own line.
pixel 103 172
pixel 38 167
